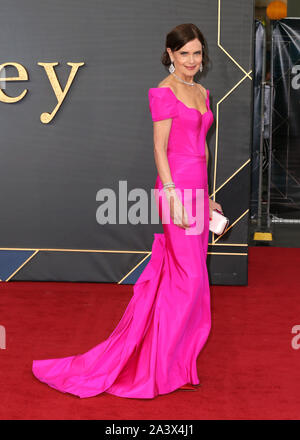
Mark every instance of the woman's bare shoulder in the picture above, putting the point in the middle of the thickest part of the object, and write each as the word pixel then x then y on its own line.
pixel 166 82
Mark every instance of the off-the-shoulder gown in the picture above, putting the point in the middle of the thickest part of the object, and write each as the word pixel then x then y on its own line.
pixel 154 348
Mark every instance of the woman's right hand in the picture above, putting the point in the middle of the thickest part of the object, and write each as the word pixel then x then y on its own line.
pixel 177 210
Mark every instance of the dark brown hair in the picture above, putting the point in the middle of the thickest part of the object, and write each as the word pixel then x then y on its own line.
pixel 179 36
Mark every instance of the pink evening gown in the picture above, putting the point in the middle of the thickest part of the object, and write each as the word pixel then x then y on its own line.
pixel 154 348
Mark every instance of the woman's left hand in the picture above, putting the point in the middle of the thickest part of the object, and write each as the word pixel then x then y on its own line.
pixel 214 205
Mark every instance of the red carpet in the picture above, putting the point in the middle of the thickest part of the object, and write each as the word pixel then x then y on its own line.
pixel 248 368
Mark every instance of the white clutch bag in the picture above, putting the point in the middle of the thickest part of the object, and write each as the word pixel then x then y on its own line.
pixel 218 223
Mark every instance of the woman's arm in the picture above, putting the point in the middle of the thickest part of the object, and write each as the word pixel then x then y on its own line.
pixel 161 131
pixel 206 153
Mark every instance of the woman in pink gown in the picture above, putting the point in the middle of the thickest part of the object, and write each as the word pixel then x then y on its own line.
pixel 154 348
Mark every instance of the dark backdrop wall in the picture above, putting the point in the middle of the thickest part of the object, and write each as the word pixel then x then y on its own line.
pixel 293 8
pixel 101 133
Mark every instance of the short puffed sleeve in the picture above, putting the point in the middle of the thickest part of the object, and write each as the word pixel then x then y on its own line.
pixel 162 103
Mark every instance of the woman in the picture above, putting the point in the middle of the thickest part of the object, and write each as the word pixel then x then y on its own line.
pixel 154 348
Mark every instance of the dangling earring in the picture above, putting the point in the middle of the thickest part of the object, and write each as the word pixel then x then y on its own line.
pixel 201 67
pixel 171 67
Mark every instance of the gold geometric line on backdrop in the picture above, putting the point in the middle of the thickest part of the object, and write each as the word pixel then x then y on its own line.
pixel 96 250
pixel 102 251
pixel 236 221
pixel 125 276
pixel 216 147
pixel 217 132
pixel 210 253
pixel 228 253
pixel 230 177
pixel 246 75
pixel 65 250
pixel 20 267
pixel 221 47
pixel 230 244
pixel 75 250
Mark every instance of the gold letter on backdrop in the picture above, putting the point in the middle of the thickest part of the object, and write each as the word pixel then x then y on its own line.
pixel 22 77
pixel 60 94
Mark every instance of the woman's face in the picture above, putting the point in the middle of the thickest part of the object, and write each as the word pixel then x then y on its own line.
pixel 190 55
